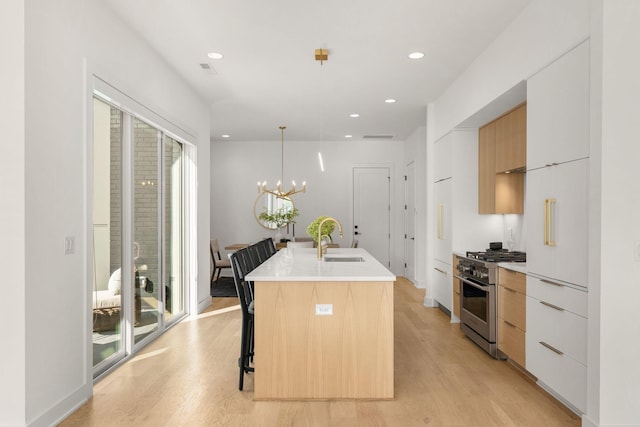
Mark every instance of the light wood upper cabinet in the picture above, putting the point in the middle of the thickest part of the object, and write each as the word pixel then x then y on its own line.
pixel 502 193
pixel 511 140
pixel 486 169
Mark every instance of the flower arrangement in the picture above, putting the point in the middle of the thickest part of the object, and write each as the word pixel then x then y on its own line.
pixel 280 217
pixel 327 228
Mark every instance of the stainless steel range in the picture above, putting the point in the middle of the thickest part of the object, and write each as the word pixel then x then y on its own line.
pixel 478 274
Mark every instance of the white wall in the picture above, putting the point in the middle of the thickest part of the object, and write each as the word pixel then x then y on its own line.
pixel 61 37
pixel 614 322
pixel 12 219
pixel 542 32
pixel 415 150
pixel 237 167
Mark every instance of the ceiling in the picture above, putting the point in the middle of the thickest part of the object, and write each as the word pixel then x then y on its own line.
pixel 269 76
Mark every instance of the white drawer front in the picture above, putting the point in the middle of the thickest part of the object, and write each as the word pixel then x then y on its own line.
pixel 564 375
pixel 563 330
pixel 559 295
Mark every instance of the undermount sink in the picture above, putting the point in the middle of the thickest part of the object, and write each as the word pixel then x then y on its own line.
pixel 333 258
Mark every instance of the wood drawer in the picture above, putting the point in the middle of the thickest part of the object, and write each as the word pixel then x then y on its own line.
pixel 456 297
pixel 512 307
pixel 560 295
pixel 565 376
pixel 512 280
pixel 511 341
pixel 565 331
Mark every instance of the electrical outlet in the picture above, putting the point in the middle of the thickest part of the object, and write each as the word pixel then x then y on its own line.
pixel 324 309
pixel 69 245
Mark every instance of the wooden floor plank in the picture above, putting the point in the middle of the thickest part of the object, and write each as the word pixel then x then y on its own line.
pixel 189 377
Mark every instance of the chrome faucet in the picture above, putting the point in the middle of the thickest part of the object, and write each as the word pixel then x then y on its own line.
pixel 320 235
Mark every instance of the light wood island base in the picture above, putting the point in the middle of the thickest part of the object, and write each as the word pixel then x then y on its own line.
pixel 302 355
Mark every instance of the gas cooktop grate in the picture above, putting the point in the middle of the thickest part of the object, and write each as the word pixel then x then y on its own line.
pixel 502 255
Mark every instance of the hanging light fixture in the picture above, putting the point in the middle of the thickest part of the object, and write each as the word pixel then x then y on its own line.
pixel 278 192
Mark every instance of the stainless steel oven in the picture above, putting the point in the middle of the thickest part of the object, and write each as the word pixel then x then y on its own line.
pixel 478 273
pixel 478 313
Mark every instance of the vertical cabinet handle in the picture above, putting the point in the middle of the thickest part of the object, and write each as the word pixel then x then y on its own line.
pixel 440 233
pixel 548 222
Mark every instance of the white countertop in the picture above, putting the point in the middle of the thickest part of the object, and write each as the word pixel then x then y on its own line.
pixel 520 267
pixel 302 265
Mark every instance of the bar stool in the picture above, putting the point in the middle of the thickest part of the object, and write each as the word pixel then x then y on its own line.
pixel 241 266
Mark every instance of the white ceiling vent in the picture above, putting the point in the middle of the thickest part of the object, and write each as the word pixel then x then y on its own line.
pixel 208 68
pixel 377 137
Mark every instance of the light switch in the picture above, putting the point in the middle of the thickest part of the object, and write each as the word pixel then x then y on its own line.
pixel 324 309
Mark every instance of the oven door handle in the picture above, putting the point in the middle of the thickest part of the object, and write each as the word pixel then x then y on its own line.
pixel 475 285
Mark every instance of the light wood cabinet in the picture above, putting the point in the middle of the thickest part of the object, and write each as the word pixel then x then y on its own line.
pixel 487 169
pixel 511 140
pixel 456 288
pixel 512 320
pixel 501 193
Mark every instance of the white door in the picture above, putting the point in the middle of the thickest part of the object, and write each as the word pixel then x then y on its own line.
pixel 410 222
pixel 371 211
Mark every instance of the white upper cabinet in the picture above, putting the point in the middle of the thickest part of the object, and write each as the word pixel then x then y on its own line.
pixel 558 110
pixel 443 149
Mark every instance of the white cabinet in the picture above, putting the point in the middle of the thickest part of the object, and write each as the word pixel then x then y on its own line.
pixel 558 110
pixel 442 215
pixel 443 150
pixel 556 221
pixel 442 291
pixel 556 339
pixel 556 209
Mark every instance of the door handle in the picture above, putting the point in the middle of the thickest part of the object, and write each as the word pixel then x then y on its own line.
pixel 548 222
pixel 357 233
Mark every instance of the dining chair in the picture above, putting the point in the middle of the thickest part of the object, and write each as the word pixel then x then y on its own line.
pixel 218 263
pixel 269 246
pixel 241 266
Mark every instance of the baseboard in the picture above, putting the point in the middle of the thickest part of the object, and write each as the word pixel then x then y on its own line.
pixel 430 302
pixel 587 422
pixel 64 408
pixel 203 305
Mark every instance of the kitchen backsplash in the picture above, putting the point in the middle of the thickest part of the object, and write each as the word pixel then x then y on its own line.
pixel 514 233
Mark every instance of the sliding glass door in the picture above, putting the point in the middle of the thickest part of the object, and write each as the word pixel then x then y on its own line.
pixel 138 205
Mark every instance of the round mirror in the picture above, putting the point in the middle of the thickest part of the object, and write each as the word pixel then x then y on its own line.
pixel 273 212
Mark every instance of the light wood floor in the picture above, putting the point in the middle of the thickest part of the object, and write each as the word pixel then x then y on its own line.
pixel 189 377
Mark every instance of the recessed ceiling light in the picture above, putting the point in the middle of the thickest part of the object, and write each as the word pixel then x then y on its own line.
pixel 348 136
pixel 416 55
pixel 390 101
pixel 354 115
pixel 215 55
pixel 226 136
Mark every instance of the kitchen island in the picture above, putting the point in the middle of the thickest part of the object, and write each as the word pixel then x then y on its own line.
pixel 323 329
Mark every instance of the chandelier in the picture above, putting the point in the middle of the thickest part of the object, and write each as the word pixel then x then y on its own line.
pixel 278 192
